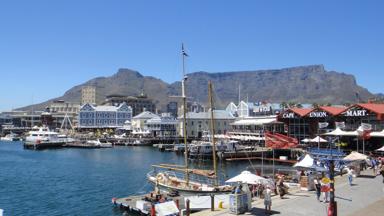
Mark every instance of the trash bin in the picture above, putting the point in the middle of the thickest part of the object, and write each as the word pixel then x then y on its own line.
pixel 238 203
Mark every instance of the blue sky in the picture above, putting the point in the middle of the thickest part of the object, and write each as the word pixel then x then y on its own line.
pixel 47 47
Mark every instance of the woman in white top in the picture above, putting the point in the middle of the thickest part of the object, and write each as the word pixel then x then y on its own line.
pixel 267 199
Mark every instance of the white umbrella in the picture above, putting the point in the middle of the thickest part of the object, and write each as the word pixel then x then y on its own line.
pixel 306 162
pixel 318 139
pixel 247 177
pixel 355 156
pixel 305 140
pixel 380 149
pixel 339 132
pixel 309 163
pixel 377 134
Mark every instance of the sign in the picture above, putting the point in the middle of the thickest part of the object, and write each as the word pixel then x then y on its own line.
pixel 356 113
pixel 289 115
pixel 319 114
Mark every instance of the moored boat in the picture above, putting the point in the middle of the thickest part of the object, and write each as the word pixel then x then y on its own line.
pixel 41 138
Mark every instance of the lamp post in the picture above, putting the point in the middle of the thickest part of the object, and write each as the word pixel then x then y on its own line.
pixel 332 208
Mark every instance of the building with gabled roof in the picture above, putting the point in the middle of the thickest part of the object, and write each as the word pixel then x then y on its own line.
pixel 91 117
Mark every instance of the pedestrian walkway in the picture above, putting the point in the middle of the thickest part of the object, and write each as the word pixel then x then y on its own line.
pixel 363 197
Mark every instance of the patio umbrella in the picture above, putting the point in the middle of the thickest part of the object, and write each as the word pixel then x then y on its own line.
pixel 318 139
pixel 309 163
pixel 355 156
pixel 380 149
pixel 305 140
pixel 247 177
pixel 377 134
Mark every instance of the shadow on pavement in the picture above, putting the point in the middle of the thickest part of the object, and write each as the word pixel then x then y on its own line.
pixel 337 197
pixel 366 176
pixel 261 211
pixel 299 195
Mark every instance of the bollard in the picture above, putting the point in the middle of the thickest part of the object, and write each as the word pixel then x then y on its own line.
pixel 187 207
pixel 153 211
pixel 177 205
pixel 212 202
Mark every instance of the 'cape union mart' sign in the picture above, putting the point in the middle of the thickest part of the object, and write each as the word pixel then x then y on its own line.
pixel 289 115
pixel 320 114
pixel 356 113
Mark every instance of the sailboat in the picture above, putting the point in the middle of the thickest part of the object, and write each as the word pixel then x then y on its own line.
pixel 179 177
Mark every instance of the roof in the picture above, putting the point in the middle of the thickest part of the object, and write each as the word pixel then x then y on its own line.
pixel 333 109
pixel 162 120
pixel 105 108
pixel 218 114
pixel 376 108
pixel 257 121
pixel 301 111
pixel 145 115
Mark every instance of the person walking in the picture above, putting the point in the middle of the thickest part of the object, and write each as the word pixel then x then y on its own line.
pixel 325 188
pixel 316 181
pixel 350 175
pixel 382 171
pixel 267 199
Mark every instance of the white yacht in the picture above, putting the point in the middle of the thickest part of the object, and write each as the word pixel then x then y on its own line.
pixel 42 137
pixel 10 137
pixel 100 144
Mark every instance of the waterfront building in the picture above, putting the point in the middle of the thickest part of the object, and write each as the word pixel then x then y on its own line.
pixel 91 116
pixel 88 95
pixel 139 122
pixel 164 126
pixel 139 103
pixel 198 123
pixel 256 126
pixel 304 123
pixel 63 111
pixel 249 109
pixel 172 108
pixel 61 106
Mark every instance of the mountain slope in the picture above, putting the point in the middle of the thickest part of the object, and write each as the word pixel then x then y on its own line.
pixel 304 84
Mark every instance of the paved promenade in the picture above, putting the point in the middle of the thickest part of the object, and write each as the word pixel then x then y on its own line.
pixel 365 197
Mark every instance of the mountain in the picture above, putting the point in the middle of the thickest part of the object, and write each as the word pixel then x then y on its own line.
pixel 304 84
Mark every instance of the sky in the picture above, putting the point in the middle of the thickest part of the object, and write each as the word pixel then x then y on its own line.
pixel 47 47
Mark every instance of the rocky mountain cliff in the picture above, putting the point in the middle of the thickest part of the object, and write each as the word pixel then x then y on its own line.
pixel 304 84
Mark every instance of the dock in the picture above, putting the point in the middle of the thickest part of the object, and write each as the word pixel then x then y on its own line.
pixel 265 159
pixel 141 204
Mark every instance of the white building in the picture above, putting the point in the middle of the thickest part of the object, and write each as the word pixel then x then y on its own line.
pixel 138 122
pixel 164 126
pixel 199 123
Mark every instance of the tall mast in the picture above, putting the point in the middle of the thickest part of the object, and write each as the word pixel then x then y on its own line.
pixel 212 131
pixel 184 97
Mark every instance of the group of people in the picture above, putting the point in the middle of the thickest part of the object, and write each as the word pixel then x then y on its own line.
pixel 279 189
pixel 322 186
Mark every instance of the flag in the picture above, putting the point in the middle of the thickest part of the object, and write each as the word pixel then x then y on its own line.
pixel 365 130
pixel 323 124
pixel 183 51
pixel 340 125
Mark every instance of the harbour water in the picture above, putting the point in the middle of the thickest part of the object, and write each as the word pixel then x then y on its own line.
pixel 78 181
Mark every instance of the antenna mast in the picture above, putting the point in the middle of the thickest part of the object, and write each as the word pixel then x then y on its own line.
pixel 184 97
pixel 212 132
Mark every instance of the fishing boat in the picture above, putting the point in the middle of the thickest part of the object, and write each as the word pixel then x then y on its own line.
pixel 182 178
